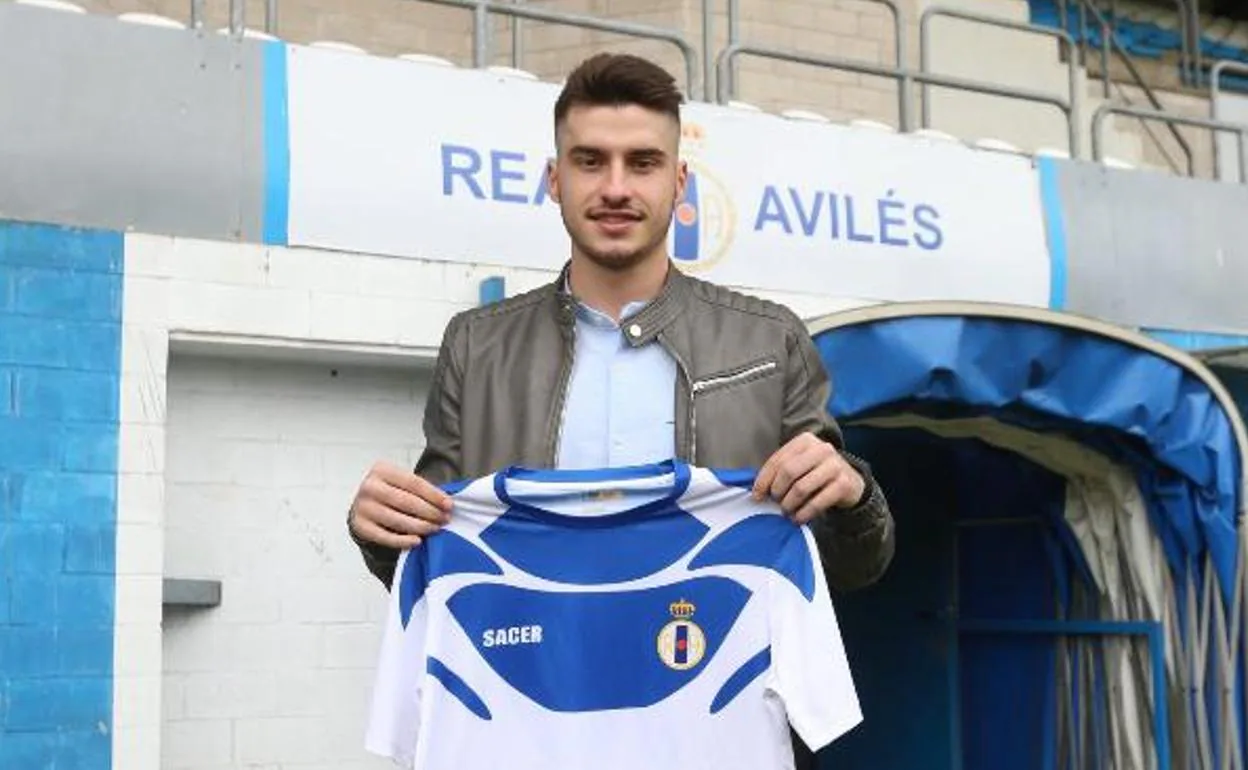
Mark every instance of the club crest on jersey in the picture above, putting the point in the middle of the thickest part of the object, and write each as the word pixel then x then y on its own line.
pixel 681 643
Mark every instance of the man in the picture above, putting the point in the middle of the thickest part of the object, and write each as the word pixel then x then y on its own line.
pixel 624 360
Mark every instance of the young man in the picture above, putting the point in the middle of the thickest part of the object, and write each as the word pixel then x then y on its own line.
pixel 624 360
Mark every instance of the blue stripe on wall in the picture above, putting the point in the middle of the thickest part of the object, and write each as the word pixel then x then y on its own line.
pixel 1185 340
pixel 60 363
pixel 276 145
pixel 1055 226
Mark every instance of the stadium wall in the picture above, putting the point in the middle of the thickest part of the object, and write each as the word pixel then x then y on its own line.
pixel 60 345
pixel 1151 251
pixel 222 292
pixel 203 146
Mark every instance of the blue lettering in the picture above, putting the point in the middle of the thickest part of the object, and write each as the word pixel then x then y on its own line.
pixel 834 215
pixel 896 223
pixel 498 175
pixel 772 210
pixel 543 189
pixel 886 206
pixel 808 222
pixel 467 171
pixel 849 223
pixel 925 217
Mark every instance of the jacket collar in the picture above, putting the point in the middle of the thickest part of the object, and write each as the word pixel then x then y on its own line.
pixel 641 328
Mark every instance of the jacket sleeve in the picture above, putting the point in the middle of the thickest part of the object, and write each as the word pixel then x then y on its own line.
pixel 856 544
pixel 440 461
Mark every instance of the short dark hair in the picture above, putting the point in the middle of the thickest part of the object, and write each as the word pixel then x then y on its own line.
pixel 612 79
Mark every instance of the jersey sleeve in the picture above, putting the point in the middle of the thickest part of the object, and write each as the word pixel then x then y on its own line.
pixel 810 671
pixel 395 713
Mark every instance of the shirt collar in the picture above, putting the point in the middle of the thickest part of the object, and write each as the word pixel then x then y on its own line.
pixel 646 323
pixel 597 318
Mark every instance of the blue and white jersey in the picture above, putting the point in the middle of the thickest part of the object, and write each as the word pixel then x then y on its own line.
pixel 630 619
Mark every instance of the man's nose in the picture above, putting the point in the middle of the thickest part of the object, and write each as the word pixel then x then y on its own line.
pixel 616 188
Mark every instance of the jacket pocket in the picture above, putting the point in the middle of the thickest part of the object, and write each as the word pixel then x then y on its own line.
pixel 740 375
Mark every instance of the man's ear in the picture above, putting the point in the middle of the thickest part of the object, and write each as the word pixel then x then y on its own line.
pixel 682 180
pixel 552 179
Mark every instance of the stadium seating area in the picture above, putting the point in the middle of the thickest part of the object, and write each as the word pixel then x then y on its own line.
pixel 1153 32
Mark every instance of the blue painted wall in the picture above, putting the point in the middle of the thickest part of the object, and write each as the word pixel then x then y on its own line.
pixel 60 351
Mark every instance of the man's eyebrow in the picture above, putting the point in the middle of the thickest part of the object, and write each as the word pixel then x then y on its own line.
pixel 644 152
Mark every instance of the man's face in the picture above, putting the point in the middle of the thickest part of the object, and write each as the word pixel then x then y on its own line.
pixel 617 178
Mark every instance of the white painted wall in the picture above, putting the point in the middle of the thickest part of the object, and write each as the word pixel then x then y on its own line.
pixel 239 454
pixel 263 459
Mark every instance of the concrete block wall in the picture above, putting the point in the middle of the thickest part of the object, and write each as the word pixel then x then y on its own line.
pixel 60 345
pixel 854 29
pixel 1158 147
pixel 861 30
pixel 281 671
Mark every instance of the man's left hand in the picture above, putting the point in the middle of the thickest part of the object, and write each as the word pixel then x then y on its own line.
pixel 808 477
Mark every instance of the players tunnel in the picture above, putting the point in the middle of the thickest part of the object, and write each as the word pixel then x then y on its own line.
pixel 1068 585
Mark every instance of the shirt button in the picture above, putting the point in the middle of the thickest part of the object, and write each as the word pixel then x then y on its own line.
pixel 635 330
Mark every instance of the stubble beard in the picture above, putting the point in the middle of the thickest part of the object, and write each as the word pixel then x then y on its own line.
pixel 615 261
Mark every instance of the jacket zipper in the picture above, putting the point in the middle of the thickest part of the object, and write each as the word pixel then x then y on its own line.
pixel 696 387
pixel 692 427
pixel 722 379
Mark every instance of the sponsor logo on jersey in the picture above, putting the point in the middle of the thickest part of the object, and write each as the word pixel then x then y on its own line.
pixel 505 637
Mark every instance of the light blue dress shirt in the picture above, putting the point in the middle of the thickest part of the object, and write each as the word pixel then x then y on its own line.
pixel 620 408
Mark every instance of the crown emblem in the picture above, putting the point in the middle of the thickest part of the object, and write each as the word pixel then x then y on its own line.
pixel 692 137
pixel 682 610
pixel 693 131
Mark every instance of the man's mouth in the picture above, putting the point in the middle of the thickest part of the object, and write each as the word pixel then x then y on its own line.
pixel 615 217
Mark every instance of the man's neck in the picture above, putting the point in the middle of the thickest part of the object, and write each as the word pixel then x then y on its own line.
pixel 609 291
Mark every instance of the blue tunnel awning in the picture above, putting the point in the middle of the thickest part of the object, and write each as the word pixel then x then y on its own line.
pixel 1160 412
pixel 1156 413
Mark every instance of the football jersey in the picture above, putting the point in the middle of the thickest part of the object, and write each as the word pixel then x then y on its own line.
pixel 626 619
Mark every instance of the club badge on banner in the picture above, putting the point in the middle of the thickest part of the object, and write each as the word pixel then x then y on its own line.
pixel 402 158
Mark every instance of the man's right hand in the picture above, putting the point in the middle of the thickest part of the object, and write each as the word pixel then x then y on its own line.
pixel 396 508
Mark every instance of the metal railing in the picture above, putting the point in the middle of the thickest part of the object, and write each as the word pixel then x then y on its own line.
pixel 703 66
pixel 237 16
pixel 481 31
pixel 1192 22
pixel 1153 633
pixel 1105 110
pixel 1069 106
pixel 1187 67
pixel 734 38
pixel 1215 113
pixel 727 55
pixel 1111 44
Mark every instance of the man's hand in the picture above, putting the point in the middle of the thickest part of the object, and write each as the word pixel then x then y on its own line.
pixel 397 508
pixel 808 477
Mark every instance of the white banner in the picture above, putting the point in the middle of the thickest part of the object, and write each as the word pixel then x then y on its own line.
pixel 395 157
